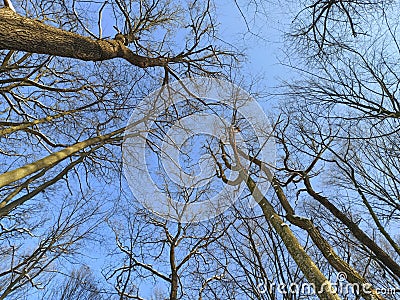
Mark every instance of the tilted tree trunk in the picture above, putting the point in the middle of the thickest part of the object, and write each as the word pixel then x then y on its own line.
pixel 54 158
pixel 24 34
pixel 323 286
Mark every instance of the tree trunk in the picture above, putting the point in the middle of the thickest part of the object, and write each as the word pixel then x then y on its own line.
pixel 24 34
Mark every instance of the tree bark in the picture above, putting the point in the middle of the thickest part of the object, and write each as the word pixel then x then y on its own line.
pixel 24 34
pixel 323 286
pixel 54 158
pixel 355 230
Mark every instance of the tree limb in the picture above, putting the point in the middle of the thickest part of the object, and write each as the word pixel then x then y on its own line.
pixel 24 34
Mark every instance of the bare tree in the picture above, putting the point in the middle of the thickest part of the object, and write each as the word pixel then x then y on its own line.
pixel 69 82
pixel 79 284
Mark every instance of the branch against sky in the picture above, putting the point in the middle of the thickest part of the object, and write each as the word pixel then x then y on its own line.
pixel 62 187
pixel 24 34
pixel 61 120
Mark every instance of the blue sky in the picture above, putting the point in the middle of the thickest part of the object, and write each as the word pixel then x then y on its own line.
pixel 263 44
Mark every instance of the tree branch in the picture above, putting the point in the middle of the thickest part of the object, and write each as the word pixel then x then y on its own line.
pixel 24 34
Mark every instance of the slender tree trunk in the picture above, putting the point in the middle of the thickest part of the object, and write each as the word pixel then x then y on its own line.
pixel 174 274
pixel 323 286
pixel 54 158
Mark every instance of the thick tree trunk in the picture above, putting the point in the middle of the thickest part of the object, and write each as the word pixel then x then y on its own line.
pixel 24 34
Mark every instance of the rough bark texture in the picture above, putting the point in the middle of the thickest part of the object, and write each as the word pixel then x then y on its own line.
pixel 24 34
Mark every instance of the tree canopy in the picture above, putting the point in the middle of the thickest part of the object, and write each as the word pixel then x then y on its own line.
pixel 73 72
